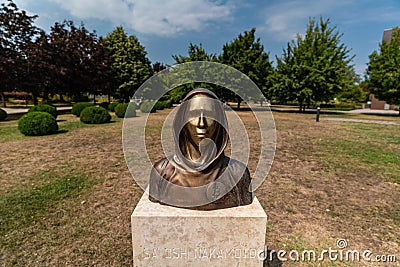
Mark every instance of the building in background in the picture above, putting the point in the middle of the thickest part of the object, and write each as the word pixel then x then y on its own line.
pixel 380 104
pixel 387 35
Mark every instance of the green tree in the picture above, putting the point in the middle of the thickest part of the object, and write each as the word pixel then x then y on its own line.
pixel 129 63
pixel 246 54
pixel 314 68
pixel 158 66
pixel 383 73
pixel 355 92
pixel 195 53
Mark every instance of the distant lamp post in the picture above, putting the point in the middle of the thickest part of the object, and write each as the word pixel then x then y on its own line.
pixel 317 117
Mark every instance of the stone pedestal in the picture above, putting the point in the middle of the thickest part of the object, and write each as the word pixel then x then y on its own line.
pixel 168 236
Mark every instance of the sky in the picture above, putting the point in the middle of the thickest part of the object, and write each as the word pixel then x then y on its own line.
pixel 166 27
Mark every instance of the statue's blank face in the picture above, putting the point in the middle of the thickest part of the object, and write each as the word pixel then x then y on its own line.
pixel 200 124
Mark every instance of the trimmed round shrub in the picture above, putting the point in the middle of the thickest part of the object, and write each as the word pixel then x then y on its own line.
pixel 162 104
pixel 112 105
pixel 37 123
pixel 3 114
pixel 159 105
pixel 125 110
pixel 104 105
pixel 168 103
pixel 146 107
pixel 45 108
pixel 78 107
pixel 95 115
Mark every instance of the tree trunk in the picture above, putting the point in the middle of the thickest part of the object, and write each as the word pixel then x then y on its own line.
pixel 126 99
pixel 45 97
pixel 3 100
pixel 35 99
pixel 238 103
pixel 62 98
pixel 109 98
pixel 300 105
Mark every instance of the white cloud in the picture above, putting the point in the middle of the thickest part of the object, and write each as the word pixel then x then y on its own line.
pixel 158 17
pixel 285 20
pixel 380 14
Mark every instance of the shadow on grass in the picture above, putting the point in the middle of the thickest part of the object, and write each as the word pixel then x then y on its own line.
pixel 272 260
pixel 85 123
pixel 61 131
pixel 55 133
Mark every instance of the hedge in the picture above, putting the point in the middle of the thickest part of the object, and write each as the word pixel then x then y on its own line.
pixel 146 106
pixel 127 110
pixel 162 104
pixel 112 105
pixel 95 115
pixel 78 107
pixel 52 110
pixel 3 114
pixel 37 123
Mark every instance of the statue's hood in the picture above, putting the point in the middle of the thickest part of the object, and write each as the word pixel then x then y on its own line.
pixel 220 138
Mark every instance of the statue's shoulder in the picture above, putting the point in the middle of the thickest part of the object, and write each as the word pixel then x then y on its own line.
pixel 161 164
pixel 236 167
pixel 164 166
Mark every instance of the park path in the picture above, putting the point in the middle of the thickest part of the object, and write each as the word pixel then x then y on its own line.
pixel 16 113
pixel 24 110
pixel 362 120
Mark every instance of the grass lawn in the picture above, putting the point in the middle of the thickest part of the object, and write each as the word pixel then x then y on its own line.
pixel 66 199
pixel 362 117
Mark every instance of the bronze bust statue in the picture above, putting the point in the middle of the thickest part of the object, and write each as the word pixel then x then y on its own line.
pixel 199 175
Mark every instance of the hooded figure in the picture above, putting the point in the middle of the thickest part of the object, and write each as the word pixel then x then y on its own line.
pixel 199 175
